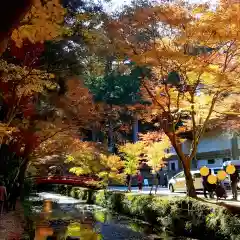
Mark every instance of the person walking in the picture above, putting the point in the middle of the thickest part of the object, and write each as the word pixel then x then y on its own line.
pixel 128 178
pixel 210 187
pixel 140 181
pixel 165 179
pixel 234 178
pixel 13 196
pixel 205 185
pixel 3 196
pixel 155 182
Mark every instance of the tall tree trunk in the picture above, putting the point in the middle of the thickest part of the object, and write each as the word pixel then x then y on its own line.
pixel 21 176
pixel 110 136
pixel 191 192
pixel 130 184
pixel 94 134
pixel 234 150
pixel 135 128
pixel 156 187
pixel 186 164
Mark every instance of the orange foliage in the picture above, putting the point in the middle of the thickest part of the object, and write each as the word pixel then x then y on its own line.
pixel 151 137
pixel 76 107
pixel 41 23
pixel 75 111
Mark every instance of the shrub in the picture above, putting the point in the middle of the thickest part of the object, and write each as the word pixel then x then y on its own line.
pixel 182 216
pixel 179 215
pixel 28 187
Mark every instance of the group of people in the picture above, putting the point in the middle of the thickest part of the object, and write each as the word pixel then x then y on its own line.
pixel 219 188
pixel 140 180
pixel 8 201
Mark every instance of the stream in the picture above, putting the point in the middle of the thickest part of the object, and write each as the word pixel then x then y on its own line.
pixel 61 217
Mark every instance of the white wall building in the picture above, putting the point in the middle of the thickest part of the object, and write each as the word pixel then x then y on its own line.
pixel 214 148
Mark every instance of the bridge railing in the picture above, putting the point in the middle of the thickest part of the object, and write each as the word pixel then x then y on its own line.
pixel 77 178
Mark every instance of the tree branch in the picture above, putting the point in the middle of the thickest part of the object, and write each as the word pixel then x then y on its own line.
pixel 198 137
pixel 153 97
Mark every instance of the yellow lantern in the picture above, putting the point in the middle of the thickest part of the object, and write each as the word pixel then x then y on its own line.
pixel 204 171
pixel 212 179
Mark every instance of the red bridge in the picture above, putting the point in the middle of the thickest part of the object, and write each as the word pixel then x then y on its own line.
pixel 81 181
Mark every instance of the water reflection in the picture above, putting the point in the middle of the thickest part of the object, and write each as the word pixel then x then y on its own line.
pixel 48 227
pixel 86 222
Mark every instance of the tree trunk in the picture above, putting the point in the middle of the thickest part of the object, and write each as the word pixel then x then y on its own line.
pixel 135 128
pixel 110 136
pixel 130 184
pixel 156 187
pixel 94 135
pixel 191 192
pixel 21 177
pixel 186 164
pixel 154 182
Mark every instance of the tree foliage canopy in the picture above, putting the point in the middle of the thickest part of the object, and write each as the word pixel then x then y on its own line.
pixel 194 59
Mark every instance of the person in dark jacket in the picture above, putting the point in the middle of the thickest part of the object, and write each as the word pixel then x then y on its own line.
pixel 220 190
pixel 165 179
pixel 3 196
pixel 205 184
pixel 234 178
pixel 13 196
pixel 208 187
pixel 211 187
pixel 158 181
pixel 140 181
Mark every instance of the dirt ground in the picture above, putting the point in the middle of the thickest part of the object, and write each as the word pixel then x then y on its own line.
pixel 11 224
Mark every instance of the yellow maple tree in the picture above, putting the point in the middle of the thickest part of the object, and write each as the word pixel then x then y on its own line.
pixel 21 83
pixel 156 153
pixel 43 22
pixel 93 159
pixel 132 155
pixel 193 51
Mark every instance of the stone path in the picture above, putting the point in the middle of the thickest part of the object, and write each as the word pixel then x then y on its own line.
pixel 11 224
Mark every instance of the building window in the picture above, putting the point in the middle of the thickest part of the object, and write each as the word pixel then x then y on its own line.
pixel 226 159
pixel 173 166
pixel 211 161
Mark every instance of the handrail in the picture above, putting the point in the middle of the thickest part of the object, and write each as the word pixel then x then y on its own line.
pixel 60 177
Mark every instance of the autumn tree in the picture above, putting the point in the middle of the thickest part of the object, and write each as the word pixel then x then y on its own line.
pixel 156 153
pixel 22 83
pixel 93 159
pixel 132 155
pixel 59 126
pixel 11 16
pixel 195 63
